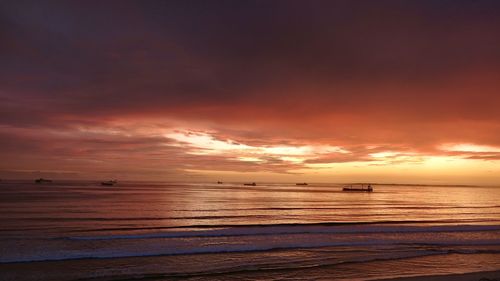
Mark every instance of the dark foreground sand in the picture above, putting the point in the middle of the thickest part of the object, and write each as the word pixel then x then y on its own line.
pixel 475 276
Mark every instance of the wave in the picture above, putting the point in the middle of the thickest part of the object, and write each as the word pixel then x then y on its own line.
pixel 340 223
pixel 364 238
pixel 49 219
pixel 284 229
pixel 416 249
pixel 232 270
pixel 253 268
pixel 153 218
pixel 342 207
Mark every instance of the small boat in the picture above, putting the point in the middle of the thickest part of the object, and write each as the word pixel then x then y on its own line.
pixel 250 184
pixel 42 180
pixel 358 188
pixel 301 183
pixel 109 183
pixel 219 182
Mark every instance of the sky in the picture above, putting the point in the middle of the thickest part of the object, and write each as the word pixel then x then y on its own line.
pixel 283 91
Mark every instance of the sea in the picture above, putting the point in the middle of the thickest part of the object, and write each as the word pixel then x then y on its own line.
pixel 80 230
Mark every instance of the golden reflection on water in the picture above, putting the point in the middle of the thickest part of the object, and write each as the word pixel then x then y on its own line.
pixel 270 204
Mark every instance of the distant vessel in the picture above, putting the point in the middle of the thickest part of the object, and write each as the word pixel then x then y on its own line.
pixel 109 183
pixel 301 183
pixel 42 180
pixel 358 188
pixel 251 184
pixel 219 182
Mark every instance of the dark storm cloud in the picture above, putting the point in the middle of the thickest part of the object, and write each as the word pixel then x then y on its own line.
pixel 126 56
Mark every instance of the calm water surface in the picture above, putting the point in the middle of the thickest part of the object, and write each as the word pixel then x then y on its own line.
pixel 79 230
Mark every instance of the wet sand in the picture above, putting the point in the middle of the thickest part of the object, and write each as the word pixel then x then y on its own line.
pixel 474 276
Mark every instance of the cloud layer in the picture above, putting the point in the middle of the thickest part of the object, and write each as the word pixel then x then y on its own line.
pixel 97 89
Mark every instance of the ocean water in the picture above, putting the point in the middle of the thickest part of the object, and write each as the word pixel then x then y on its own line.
pixel 160 231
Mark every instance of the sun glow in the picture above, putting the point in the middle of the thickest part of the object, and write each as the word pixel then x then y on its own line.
pixel 201 143
pixel 439 169
pixel 384 154
pixel 467 147
pixel 249 159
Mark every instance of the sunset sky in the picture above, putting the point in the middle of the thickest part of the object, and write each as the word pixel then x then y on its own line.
pixel 294 91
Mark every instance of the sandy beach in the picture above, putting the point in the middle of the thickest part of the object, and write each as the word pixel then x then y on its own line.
pixel 474 276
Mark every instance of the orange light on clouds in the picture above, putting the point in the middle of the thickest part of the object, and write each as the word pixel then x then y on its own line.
pixel 468 147
pixel 375 166
pixel 201 143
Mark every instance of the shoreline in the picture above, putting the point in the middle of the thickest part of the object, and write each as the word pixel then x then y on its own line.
pixel 472 276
